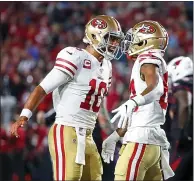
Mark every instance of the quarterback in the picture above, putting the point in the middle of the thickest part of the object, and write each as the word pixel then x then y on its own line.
pixel 79 80
pixel 144 154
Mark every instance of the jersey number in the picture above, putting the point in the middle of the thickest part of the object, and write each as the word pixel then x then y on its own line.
pixel 86 104
pixel 164 98
pixel 132 91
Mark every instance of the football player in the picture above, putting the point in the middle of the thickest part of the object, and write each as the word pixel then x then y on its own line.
pixel 79 80
pixel 181 75
pixel 145 147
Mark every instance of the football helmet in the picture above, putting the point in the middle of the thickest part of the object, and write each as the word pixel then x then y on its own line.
pixel 179 68
pixel 101 32
pixel 144 36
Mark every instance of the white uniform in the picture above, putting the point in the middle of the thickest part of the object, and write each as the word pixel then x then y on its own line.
pixel 146 120
pixel 77 103
pixel 144 154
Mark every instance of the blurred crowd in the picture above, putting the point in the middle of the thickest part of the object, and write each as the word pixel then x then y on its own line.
pixel 32 33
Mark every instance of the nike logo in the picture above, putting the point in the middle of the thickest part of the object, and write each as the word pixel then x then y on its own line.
pixel 126 107
pixel 69 52
pixel 100 78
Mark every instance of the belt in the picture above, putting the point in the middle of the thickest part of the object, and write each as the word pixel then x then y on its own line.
pixel 88 131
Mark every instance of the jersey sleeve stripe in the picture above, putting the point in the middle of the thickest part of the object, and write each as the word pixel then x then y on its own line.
pixel 68 62
pixel 68 67
pixel 64 68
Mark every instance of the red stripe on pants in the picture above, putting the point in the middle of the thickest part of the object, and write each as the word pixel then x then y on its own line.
pixel 63 152
pixel 56 151
pixel 131 160
pixel 138 161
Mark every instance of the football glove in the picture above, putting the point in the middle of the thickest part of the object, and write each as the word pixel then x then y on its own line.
pixel 125 113
pixel 108 147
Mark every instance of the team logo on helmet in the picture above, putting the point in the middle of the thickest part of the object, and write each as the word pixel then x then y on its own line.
pixel 99 23
pixel 147 29
pixel 177 62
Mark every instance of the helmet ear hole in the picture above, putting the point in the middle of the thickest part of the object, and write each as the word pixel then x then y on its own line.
pixel 140 43
pixel 106 37
pixel 94 36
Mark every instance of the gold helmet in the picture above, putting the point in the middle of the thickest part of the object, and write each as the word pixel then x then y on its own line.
pixel 144 36
pixel 100 32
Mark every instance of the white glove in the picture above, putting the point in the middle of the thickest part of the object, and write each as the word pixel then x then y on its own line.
pixel 108 147
pixel 125 113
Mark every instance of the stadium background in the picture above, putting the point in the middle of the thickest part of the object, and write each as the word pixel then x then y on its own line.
pixel 32 33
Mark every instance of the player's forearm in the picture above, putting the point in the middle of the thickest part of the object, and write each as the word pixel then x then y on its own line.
pixel 149 88
pixel 151 80
pixel 183 116
pixel 104 109
pixel 104 118
pixel 183 107
pixel 35 98
pixel 154 84
pixel 152 93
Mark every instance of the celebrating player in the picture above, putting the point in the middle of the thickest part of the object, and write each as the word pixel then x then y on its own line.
pixel 139 119
pixel 79 81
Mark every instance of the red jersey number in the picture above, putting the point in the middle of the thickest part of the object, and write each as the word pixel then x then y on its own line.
pixel 86 104
pixel 164 98
pixel 132 91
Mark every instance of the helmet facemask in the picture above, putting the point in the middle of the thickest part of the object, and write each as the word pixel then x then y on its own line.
pixel 106 46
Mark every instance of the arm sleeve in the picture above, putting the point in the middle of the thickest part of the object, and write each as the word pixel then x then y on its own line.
pixel 54 79
pixel 67 61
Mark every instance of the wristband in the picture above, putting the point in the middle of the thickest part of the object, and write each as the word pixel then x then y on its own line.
pixel 27 113
pixel 115 136
pixel 140 100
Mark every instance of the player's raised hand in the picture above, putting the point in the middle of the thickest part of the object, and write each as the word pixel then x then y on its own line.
pixel 124 112
pixel 19 123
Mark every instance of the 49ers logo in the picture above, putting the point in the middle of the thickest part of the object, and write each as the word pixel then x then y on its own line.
pixel 99 23
pixel 147 29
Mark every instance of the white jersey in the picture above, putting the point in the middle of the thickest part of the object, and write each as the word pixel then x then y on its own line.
pixel 77 103
pixel 147 119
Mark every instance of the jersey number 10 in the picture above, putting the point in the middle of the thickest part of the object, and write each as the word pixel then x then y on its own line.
pixel 86 104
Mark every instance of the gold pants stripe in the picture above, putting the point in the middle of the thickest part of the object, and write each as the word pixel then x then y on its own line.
pixel 134 161
pixel 62 141
pixel 139 161
pixel 59 151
